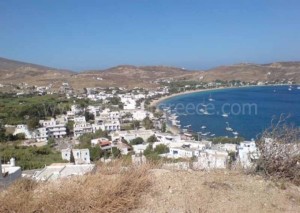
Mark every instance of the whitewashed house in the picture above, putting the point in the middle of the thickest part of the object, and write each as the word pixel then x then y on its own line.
pixel 247 153
pixel 81 156
pixel 212 159
pixel 9 173
pixel 23 129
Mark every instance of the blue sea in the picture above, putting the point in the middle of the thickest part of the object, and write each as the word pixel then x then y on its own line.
pixel 248 111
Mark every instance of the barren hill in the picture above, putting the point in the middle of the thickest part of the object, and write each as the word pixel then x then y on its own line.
pixel 131 76
pixel 12 71
pixel 256 72
pixel 142 76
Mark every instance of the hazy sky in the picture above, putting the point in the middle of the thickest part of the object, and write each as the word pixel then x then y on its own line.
pixel 196 34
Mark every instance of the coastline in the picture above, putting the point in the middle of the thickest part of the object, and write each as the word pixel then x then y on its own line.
pixel 177 130
pixel 156 102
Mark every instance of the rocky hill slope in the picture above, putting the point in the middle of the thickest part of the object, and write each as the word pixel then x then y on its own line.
pixel 144 76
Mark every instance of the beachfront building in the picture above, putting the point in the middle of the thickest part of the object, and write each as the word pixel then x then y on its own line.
pixel 131 134
pixel 140 115
pixel 167 138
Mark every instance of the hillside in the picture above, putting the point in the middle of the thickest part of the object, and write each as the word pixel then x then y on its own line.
pixel 132 76
pixel 12 71
pixel 143 76
pixel 148 189
pixel 256 72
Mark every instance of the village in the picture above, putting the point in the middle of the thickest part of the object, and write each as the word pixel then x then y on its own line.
pixel 121 124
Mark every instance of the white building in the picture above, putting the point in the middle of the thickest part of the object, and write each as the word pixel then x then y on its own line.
pixel 167 138
pixel 9 173
pixel 131 134
pixel 212 159
pixel 247 153
pixel 180 152
pixel 82 128
pixel 81 156
pixel 51 129
pixel 61 170
pixel 140 115
pixel 128 103
pixel 140 148
pixel 23 129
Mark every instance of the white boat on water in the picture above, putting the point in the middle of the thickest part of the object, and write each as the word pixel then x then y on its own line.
pixel 210 98
pixel 187 126
pixel 228 128
pixel 205 134
pixel 235 133
pixel 212 135
pixel 290 88
pixel 203 127
pixel 225 115
pixel 298 87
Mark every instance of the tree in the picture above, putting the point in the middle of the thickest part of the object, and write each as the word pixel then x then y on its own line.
pixel 164 127
pixel 116 152
pixel 51 142
pixel 72 159
pixel 135 124
pixel 2 133
pixel 152 139
pixel 136 141
pixel 70 127
pixel 148 124
pixel 161 148
pixel 89 116
pixel 32 123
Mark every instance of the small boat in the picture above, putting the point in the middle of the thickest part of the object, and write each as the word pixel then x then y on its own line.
pixel 235 133
pixel 202 110
pixel 225 115
pixel 290 88
pixel 210 98
pixel 212 135
pixel 228 128
pixel 298 87
pixel 187 126
pixel 203 127
pixel 205 134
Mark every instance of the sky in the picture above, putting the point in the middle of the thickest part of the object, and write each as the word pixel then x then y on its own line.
pixel 194 34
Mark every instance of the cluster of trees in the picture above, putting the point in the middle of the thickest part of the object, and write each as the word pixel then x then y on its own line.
pixel 147 123
pixel 223 140
pixel 17 110
pixel 29 157
pixel 153 154
pixel 9 137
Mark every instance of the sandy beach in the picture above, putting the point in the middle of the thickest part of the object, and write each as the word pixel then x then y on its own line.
pixel 156 102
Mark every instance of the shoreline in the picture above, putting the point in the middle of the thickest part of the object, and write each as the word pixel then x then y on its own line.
pixel 177 130
pixel 156 102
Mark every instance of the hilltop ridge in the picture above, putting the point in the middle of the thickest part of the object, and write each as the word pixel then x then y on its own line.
pixel 15 72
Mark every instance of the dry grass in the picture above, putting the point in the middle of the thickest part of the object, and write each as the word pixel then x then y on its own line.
pixel 113 190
